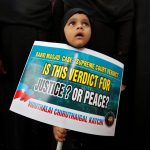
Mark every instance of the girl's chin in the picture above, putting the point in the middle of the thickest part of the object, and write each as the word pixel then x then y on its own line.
pixel 79 45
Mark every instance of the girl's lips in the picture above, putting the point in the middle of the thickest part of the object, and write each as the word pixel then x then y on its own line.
pixel 79 35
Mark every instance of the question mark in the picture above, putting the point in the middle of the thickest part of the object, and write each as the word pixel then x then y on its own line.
pixel 106 101
pixel 69 89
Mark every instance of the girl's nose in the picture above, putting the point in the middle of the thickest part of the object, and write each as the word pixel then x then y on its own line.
pixel 79 26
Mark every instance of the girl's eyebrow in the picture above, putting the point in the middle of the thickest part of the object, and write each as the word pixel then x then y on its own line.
pixel 75 19
pixel 86 19
pixel 72 19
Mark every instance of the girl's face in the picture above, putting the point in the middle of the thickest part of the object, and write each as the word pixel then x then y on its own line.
pixel 78 30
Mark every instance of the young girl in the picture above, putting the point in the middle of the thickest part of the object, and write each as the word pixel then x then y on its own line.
pixel 77 33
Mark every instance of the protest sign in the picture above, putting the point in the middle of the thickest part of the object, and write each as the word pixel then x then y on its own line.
pixel 77 89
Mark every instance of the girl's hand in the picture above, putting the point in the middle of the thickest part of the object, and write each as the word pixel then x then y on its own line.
pixel 123 87
pixel 59 133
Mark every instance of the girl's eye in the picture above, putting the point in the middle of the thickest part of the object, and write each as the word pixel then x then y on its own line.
pixel 72 23
pixel 85 24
